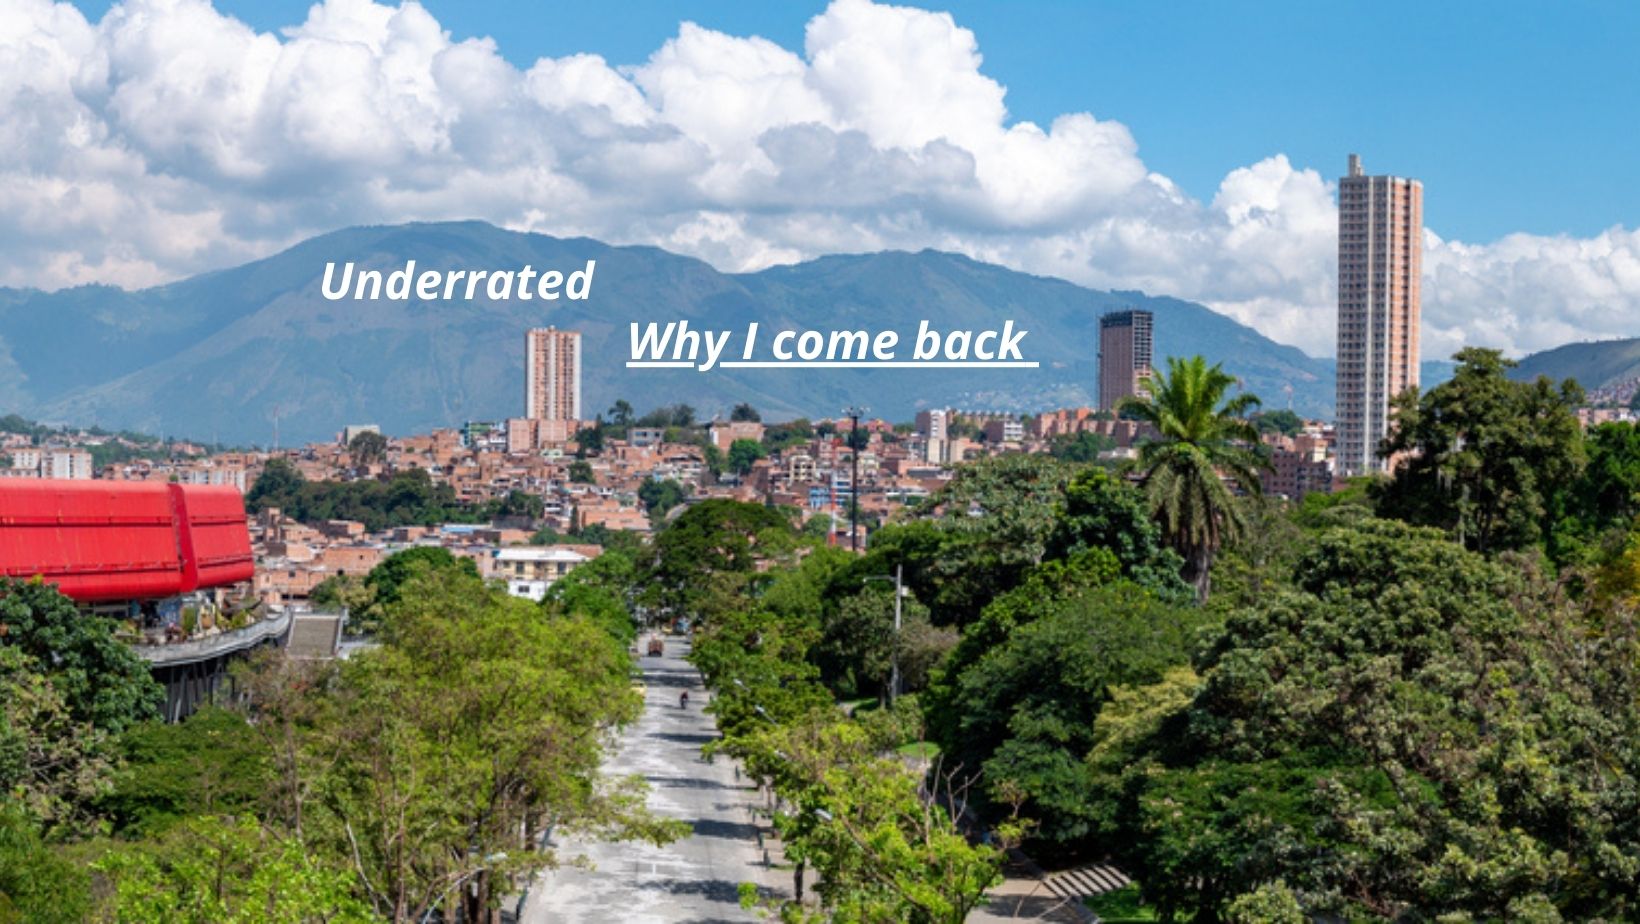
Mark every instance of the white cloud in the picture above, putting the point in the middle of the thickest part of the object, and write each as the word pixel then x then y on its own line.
pixel 167 138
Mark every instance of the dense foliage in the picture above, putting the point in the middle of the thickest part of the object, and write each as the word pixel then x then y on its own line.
pixel 363 790
pixel 407 498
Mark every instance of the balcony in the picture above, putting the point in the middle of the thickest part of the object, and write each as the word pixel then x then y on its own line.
pixel 161 653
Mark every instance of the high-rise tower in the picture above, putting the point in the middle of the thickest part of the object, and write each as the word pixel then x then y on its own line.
pixel 552 374
pixel 1380 256
pixel 1124 354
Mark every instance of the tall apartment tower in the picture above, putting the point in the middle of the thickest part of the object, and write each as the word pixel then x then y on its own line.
pixel 1380 257
pixel 1124 354
pixel 552 374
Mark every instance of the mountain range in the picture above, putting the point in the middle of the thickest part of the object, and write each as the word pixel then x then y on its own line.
pixel 1599 364
pixel 254 353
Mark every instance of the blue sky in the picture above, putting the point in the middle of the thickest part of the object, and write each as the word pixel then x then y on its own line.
pixel 1178 148
pixel 1541 100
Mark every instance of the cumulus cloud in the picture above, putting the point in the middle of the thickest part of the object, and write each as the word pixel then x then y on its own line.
pixel 167 138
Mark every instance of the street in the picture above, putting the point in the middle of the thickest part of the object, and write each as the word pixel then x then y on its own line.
pixel 696 879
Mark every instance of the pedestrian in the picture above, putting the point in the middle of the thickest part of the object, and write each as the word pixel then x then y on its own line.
pixel 683 700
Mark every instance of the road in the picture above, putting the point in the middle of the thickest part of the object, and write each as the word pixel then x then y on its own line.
pixel 694 880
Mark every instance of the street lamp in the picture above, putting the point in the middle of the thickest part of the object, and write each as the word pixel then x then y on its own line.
pixel 894 651
pixel 853 412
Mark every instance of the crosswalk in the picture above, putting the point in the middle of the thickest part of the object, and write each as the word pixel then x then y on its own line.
pixel 1085 881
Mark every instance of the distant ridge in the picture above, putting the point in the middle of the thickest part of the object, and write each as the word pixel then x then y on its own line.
pixel 231 351
pixel 1594 364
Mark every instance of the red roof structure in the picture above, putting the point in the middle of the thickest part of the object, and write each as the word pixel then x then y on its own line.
pixel 114 540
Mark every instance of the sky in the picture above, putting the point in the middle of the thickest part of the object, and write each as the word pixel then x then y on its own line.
pixel 1182 148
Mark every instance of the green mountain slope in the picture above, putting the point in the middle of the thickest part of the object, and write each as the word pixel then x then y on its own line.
pixel 230 354
pixel 1593 365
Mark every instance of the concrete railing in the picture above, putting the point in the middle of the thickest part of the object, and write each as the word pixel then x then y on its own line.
pixel 201 649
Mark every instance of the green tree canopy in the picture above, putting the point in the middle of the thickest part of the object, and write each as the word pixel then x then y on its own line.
pixel 714 536
pixel 1485 457
pixel 742 453
pixel 660 496
pixel 1412 732
pixel 1282 421
pixel 1023 712
pixel 367 448
pixel 211 763
pixel 37 884
pixel 1081 447
pixel 101 680
pixel 386 581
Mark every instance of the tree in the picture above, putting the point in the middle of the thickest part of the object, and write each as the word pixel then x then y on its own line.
pixel 217 870
pixel 101 680
pixel 276 486
pixel 661 496
pixel 386 581
pixel 1486 458
pixel 52 765
pixel 1023 713
pixel 481 717
pixel 367 448
pixel 620 413
pixel 781 436
pixel 974 538
pixel 1201 436
pixel 213 763
pixel 597 591
pixel 346 590
pixel 712 537
pixel 1283 421
pixel 1411 732
pixel 1101 511
pixel 858 644
pixel 521 504
pixel 742 453
pixel 589 441
pixel 745 412
pixel 882 844
pixel 1608 492
pixel 37 885
pixel 580 472
pixel 1081 447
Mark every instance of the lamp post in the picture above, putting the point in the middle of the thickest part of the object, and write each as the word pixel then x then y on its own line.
pixel 894 650
pixel 853 413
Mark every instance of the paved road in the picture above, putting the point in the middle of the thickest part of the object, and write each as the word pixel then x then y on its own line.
pixel 694 880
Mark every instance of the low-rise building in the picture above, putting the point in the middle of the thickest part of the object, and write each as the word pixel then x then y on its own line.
pixel 530 570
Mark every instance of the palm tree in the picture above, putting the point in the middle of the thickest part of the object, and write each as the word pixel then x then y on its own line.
pixel 1203 438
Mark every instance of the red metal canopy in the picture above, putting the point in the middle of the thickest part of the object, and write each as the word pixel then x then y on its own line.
pixel 114 540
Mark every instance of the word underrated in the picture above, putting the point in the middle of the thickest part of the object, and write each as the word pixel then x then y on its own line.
pixel 433 285
pixel 675 345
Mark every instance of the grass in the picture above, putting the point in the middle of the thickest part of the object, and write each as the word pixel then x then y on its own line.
pixel 927 750
pixel 1122 907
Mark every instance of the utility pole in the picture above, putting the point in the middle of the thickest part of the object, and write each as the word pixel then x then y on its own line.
pixel 894 663
pixel 853 413
pixel 894 647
